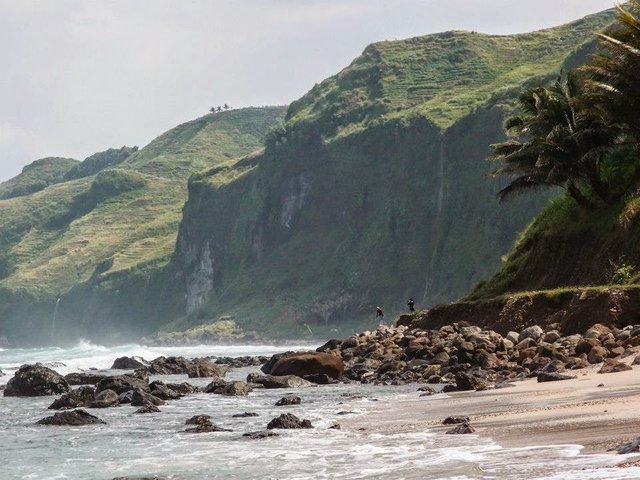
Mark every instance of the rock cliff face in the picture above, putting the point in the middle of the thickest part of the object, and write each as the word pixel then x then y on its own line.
pixel 369 194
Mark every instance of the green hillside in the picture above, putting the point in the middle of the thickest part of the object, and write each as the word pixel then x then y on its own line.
pixel 374 190
pixel 37 176
pixel 441 77
pixel 87 231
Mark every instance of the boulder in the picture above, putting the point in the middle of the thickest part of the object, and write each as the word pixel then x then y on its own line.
pixel 122 383
pixel 597 355
pixel 552 377
pixel 271 381
pixel 127 363
pixel 455 420
pixel 79 397
pixel 534 333
pixel 288 421
pixel 289 400
pixel 235 389
pixel 163 392
pixel 104 399
pixel 83 378
pixel 204 369
pixel 169 366
pixel 203 425
pixel 35 381
pixel 140 398
pixel 244 415
pixel 597 331
pixel 305 363
pixel 72 418
pixel 613 366
pixel 198 419
pixel 183 388
pixel 461 429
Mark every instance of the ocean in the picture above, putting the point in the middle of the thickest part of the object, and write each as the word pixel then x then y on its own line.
pixel 156 444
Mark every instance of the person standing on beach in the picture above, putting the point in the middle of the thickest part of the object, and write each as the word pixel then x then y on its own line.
pixel 411 304
pixel 380 315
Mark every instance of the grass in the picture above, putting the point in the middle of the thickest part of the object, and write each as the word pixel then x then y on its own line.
pixel 37 176
pixel 123 217
pixel 442 77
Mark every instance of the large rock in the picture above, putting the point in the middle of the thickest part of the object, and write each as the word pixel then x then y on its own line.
pixel 302 364
pixel 552 377
pixel 164 392
pixel 122 383
pixel 140 398
pixel 72 418
pixel 235 389
pixel 104 399
pixel 271 381
pixel 35 381
pixel 613 366
pixel 288 420
pixel 289 400
pixel 127 363
pixel 534 333
pixel 79 397
pixel 169 366
pixel 83 378
pixel 205 368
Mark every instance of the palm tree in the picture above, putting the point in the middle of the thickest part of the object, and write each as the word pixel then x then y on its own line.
pixel 613 80
pixel 556 141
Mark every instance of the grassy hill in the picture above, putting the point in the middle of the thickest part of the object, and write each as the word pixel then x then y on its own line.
pixel 37 176
pixel 87 230
pixel 374 190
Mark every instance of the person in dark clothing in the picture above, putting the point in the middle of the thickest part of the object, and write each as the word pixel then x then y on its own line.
pixel 411 304
pixel 380 315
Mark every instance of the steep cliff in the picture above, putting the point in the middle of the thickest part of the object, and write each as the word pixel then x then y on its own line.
pixel 376 188
pixel 100 235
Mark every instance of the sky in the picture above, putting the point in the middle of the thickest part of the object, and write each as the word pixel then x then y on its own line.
pixel 81 76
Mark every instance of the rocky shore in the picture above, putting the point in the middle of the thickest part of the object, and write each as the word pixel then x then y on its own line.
pixel 454 358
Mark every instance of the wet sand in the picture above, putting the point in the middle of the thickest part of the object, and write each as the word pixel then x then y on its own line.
pixel 576 411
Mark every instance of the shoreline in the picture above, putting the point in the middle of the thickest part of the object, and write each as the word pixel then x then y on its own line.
pixel 529 414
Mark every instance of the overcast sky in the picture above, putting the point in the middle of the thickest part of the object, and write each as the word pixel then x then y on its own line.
pixel 80 76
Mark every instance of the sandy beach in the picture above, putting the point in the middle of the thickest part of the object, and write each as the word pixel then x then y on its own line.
pixel 598 411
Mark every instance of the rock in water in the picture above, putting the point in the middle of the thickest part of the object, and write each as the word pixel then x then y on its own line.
pixel 260 434
pixel 205 368
pixel 72 418
pixel 271 381
pixel 35 381
pixel 140 398
pixel 106 398
pixel 122 383
pixel 83 378
pixel 244 415
pixel 461 429
pixel 126 363
pixel 304 364
pixel 287 421
pixel 289 400
pixel 235 389
pixel 79 397
pixel 198 419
